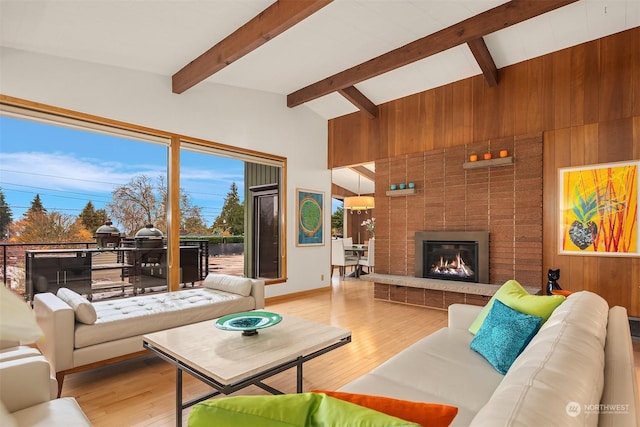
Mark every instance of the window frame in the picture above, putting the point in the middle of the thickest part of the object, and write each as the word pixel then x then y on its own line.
pixel 28 110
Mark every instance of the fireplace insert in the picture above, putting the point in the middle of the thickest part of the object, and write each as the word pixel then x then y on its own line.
pixel 462 252
pixel 450 260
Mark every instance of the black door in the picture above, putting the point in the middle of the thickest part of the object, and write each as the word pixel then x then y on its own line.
pixel 266 254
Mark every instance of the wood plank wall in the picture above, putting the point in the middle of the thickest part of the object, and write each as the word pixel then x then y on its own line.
pixel 585 100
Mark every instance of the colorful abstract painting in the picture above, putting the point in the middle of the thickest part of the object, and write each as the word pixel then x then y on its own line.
pixel 599 209
pixel 310 212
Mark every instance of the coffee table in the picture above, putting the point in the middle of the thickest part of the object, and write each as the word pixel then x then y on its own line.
pixel 229 361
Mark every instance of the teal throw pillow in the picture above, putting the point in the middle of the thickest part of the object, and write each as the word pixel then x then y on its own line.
pixel 288 410
pixel 504 334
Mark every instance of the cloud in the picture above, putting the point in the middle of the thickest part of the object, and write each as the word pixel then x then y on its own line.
pixel 66 181
pixel 59 171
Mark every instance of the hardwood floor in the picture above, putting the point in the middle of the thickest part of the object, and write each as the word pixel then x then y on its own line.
pixel 141 392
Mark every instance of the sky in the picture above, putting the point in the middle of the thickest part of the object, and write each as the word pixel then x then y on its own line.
pixel 69 167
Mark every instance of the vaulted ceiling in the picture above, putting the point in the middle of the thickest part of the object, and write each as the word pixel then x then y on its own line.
pixel 328 55
pixel 333 57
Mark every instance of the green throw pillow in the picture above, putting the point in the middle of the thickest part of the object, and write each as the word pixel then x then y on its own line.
pixel 287 410
pixel 503 335
pixel 513 295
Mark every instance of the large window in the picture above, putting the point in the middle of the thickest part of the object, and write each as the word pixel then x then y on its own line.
pixel 183 186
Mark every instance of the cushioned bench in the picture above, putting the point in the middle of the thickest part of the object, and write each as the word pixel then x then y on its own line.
pixel 81 335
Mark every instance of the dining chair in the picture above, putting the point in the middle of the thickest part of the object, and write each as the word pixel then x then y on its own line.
pixel 369 260
pixel 338 257
pixel 348 242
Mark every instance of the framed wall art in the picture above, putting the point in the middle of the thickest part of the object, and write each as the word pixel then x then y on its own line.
pixel 310 214
pixel 598 209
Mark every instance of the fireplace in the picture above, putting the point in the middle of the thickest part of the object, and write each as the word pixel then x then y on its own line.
pixel 454 255
pixel 449 260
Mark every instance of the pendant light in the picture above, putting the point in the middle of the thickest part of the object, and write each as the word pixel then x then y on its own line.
pixel 359 203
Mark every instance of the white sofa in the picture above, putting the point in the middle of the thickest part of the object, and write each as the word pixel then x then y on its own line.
pixel 12 350
pixel 578 370
pixel 112 330
pixel 28 392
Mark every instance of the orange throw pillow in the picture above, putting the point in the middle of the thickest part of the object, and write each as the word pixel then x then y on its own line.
pixel 425 414
pixel 562 292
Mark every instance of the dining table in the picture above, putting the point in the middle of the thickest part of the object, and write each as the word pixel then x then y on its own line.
pixel 358 250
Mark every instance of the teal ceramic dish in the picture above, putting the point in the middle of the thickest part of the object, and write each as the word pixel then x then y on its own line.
pixel 248 322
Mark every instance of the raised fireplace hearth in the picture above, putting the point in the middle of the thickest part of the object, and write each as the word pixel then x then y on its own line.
pixel 453 255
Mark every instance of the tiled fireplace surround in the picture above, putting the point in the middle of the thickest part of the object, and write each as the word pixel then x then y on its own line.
pixel 506 201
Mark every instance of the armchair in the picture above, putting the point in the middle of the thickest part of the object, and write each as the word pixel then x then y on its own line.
pixel 26 396
pixel 12 350
pixel 27 389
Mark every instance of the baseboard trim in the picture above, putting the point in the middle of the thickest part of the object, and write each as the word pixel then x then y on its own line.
pixel 296 295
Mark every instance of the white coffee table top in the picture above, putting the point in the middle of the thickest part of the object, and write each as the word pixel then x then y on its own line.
pixel 229 356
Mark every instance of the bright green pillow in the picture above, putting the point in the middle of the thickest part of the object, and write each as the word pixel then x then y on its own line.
pixel 287 410
pixel 513 295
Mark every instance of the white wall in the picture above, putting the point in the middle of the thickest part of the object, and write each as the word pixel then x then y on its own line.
pixel 238 117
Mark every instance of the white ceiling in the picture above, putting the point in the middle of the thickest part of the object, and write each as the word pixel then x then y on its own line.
pixel 162 36
pixel 353 181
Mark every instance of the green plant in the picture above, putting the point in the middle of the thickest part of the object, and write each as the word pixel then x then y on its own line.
pixel 583 230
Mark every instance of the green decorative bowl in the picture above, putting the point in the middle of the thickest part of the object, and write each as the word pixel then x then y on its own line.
pixel 248 322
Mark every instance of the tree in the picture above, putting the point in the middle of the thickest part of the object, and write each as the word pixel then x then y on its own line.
pixel 50 227
pixel 92 218
pixel 140 202
pixel 337 222
pixel 6 217
pixel 135 205
pixel 38 226
pixel 231 217
pixel 195 225
pixel 36 207
pixel 34 225
pixel 191 220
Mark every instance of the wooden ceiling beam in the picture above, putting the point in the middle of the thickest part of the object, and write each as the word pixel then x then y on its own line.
pixel 477 26
pixel 274 20
pixel 339 193
pixel 358 99
pixel 364 172
pixel 485 60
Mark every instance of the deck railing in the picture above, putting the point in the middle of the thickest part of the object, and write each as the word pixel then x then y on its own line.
pixel 13 259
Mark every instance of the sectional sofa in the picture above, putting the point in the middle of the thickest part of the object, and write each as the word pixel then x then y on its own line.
pixel 578 370
pixel 79 334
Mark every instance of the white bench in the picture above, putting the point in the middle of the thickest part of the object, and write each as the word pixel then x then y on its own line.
pixel 80 335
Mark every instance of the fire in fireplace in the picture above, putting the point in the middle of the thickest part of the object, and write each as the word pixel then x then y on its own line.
pixel 453 255
pixel 450 260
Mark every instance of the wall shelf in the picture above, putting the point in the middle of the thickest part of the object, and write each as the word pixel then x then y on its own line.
pixel 501 161
pixel 405 192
